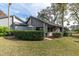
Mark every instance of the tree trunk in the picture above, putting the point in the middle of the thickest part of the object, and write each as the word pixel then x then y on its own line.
pixel 62 24
pixel 62 21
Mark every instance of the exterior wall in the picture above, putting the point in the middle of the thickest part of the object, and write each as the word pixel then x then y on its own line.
pixel 36 23
pixel 23 28
pixel 4 22
pixel 16 20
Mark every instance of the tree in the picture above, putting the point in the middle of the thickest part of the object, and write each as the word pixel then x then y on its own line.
pixel 58 10
pixel 74 9
pixel 45 14
pixel 62 7
pixel 50 13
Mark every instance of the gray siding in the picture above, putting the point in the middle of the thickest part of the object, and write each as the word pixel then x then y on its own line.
pixel 23 28
pixel 36 23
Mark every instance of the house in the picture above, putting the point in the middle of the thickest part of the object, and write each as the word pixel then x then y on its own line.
pixel 14 23
pixel 32 23
pixel 46 26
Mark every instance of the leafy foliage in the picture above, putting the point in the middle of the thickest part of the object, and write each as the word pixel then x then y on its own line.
pixel 67 33
pixel 74 9
pixel 28 35
pixel 57 34
pixel 3 30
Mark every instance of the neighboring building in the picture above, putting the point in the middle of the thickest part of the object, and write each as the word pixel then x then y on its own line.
pixel 14 23
pixel 2 13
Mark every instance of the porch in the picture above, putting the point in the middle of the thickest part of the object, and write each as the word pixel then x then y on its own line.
pixel 48 30
pixel 52 29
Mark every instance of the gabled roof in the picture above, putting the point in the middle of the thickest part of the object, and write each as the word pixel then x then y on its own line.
pixel 20 19
pixel 49 23
pixel 23 23
pixel 12 16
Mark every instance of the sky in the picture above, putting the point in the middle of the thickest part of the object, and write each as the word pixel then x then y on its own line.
pixel 23 10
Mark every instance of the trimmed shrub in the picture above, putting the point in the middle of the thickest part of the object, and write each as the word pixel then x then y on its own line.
pixel 29 35
pixel 57 34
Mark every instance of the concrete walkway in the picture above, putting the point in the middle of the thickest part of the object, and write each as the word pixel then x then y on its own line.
pixel 48 39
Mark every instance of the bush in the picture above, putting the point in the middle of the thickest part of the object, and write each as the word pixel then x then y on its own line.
pixel 67 33
pixel 3 30
pixel 57 34
pixel 9 33
pixel 29 35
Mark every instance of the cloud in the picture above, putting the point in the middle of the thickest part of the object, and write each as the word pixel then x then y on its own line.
pixel 24 10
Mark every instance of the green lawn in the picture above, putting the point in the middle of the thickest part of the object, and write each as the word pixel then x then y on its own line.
pixel 59 46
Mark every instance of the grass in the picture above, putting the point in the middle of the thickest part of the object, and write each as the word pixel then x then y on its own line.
pixel 56 47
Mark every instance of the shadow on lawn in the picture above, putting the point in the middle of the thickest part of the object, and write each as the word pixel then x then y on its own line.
pixel 15 39
pixel 75 36
pixel 76 41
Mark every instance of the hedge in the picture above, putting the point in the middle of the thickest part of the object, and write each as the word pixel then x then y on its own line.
pixel 28 35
